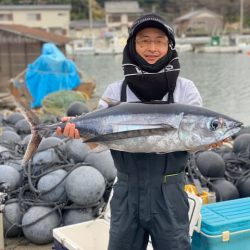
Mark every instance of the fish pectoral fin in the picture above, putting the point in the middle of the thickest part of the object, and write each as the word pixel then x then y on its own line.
pixel 124 127
pixel 126 134
pixel 143 124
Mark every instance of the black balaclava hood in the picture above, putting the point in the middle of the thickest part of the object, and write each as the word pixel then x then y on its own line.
pixel 151 81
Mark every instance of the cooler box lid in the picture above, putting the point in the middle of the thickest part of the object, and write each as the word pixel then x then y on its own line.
pixel 232 216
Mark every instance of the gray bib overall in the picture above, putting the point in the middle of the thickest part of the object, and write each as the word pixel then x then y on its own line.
pixel 149 199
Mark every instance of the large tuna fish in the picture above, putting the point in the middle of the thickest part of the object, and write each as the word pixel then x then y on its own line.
pixel 142 127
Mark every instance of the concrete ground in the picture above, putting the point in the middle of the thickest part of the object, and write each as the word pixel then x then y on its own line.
pixel 21 243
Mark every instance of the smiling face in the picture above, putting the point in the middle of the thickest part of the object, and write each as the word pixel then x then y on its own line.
pixel 151 44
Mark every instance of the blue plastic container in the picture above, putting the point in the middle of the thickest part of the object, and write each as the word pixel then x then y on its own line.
pixel 225 226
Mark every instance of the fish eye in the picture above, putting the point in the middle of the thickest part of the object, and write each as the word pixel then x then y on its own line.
pixel 215 124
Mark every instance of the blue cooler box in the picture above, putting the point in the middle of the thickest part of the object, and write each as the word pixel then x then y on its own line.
pixel 224 226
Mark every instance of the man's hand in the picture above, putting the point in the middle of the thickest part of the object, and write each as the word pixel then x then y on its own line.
pixel 69 130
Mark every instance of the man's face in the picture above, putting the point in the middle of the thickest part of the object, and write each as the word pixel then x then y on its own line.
pixel 151 44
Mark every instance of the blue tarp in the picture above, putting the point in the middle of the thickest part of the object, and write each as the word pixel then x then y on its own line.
pixel 50 72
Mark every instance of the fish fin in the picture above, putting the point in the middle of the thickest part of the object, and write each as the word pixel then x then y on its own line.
pixel 131 127
pixel 156 102
pixel 110 102
pixel 30 116
pixel 96 147
pixel 37 135
pixel 92 145
pixel 32 147
pixel 125 135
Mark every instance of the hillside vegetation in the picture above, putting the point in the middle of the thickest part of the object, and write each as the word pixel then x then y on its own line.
pixel 171 9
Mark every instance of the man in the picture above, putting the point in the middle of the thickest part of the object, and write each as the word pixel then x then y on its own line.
pixel 149 197
pixel 143 203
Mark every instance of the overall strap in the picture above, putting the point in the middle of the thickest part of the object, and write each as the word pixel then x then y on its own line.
pixel 124 91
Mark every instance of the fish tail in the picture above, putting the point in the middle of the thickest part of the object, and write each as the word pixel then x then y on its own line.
pixel 37 134
pixel 32 147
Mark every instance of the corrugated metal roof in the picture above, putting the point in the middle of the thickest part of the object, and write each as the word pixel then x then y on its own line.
pixel 35 7
pixel 35 33
pixel 122 7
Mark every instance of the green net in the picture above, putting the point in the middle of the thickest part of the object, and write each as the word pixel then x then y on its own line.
pixel 57 103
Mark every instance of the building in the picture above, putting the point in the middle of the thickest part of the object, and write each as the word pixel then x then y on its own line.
pixel 85 34
pixel 120 15
pixel 21 45
pixel 52 18
pixel 107 36
pixel 197 23
pixel 82 29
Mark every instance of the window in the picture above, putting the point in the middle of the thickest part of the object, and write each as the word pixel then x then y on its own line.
pixel 33 16
pixel 6 17
pixel 62 14
pixel 114 19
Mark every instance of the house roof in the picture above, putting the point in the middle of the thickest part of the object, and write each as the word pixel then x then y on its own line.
pixel 122 7
pixel 195 13
pixel 34 33
pixel 35 7
pixel 80 24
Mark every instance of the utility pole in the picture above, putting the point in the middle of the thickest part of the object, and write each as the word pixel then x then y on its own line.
pixel 91 22
pixel 241 16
